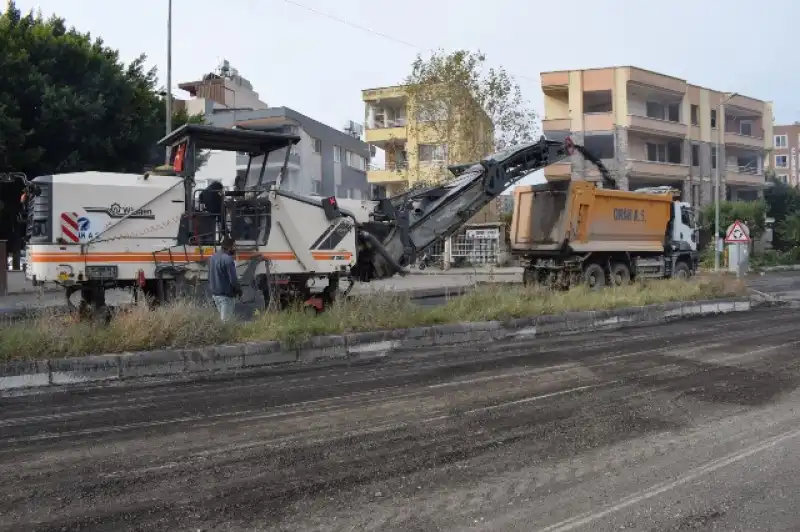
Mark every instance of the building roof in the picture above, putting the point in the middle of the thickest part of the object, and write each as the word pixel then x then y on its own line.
pixel 652 72
pixel 227 139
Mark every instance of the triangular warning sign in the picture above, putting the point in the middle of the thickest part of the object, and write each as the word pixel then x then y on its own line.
pixel 737 234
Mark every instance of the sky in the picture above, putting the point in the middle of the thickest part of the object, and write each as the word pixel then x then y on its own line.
pixel 314 56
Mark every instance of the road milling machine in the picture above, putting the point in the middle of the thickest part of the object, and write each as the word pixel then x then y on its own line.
pixel 93 231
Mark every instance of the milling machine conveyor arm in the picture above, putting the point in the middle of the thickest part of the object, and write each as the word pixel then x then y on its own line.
pixel 410 222
pixel 438 212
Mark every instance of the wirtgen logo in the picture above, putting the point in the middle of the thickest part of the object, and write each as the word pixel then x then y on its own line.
pixel 115 210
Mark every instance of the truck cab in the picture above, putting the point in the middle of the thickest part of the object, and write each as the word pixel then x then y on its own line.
pixel 683 227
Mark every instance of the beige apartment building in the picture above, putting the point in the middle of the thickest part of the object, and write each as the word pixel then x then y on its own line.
pixel 651 129
pixel 784 159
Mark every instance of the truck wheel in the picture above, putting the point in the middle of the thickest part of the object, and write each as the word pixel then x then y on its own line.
pixel 682 271
pixel 594 276
pixel 529 277
pixel 620 274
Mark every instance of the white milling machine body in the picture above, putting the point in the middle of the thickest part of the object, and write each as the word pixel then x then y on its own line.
pixel 93 231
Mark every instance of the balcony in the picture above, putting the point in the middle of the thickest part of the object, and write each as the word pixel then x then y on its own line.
pixel 667 128
pixel 659 81
pixel 745 141
pixel 556 124
pixel 388 173
pixel 657 170
pixel 743 176
pixel 555 80
pixel 598 122
pixel 386 132
pixel 397 92
pixel 749 104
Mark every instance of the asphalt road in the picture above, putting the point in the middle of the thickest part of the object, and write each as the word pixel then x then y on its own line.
pixel 687 426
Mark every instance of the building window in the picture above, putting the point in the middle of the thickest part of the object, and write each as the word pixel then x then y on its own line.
pixel 432 152
pixel 781 161
pixel 695 155
pixel 713 157
pixel 317 145
pixel 317 187
pixel 695 111
pixel 669 112
pixel 597 102
pixel 294 150
pixel 337 154
pixel 601 146
pixel 783 178
pixel 669 152
pixel 746 128
pixel 713 118
pixel 356 161
pixel 781 141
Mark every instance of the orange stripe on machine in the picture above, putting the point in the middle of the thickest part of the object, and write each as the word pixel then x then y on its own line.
pixel 138 257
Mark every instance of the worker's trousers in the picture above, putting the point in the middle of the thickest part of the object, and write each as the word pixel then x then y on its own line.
pixel 225 306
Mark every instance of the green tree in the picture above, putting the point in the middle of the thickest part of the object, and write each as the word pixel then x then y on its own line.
pixel 752 213
pixel 789 230
pixel 783 202
pixel 67 104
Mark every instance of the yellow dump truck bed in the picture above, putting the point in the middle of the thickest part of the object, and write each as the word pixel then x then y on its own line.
pixel 582 218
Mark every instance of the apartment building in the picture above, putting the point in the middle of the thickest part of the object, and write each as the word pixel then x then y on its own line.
pixel 784 159
pixel 413 151
pixel 326 162
pixel 652 129
pixel 224 88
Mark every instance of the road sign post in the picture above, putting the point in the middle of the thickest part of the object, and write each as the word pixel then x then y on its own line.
pixel 738 239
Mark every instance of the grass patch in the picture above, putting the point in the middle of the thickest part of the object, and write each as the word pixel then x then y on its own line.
pixel 185 325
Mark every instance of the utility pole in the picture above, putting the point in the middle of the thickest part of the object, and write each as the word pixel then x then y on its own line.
pixel 169 73
pixel 720 122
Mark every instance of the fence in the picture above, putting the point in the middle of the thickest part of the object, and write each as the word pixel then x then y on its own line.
pixel 475 245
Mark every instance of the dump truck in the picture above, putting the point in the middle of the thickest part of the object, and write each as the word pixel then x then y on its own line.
pixel 571 232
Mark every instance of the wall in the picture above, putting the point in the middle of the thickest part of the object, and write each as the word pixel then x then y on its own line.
pixel 220 166
pixel 556 106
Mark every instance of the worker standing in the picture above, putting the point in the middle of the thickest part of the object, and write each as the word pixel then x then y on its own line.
pixel 223 282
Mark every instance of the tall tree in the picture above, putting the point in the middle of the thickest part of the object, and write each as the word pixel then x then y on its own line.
pixel 471 107
pixel 783 204
pixel 67 103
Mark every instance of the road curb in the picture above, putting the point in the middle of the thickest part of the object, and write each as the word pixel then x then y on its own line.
pixel 784 268
pixel 348 348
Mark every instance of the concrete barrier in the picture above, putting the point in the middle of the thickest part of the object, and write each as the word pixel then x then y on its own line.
pixel 347 348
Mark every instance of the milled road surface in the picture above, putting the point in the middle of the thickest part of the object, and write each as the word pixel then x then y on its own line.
pixel 687 426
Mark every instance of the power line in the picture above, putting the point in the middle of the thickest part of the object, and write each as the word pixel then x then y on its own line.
pixel 373 32
pixel 352 25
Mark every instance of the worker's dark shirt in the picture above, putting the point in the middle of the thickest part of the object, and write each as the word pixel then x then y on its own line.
pixel 222 278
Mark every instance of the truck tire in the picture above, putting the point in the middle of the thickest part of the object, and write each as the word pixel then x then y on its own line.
pixel 594 276
pixel 682 271
pixel 534 277
pixel 620 274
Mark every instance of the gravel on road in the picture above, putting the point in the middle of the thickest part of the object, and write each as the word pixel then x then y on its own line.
pixel 690 425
